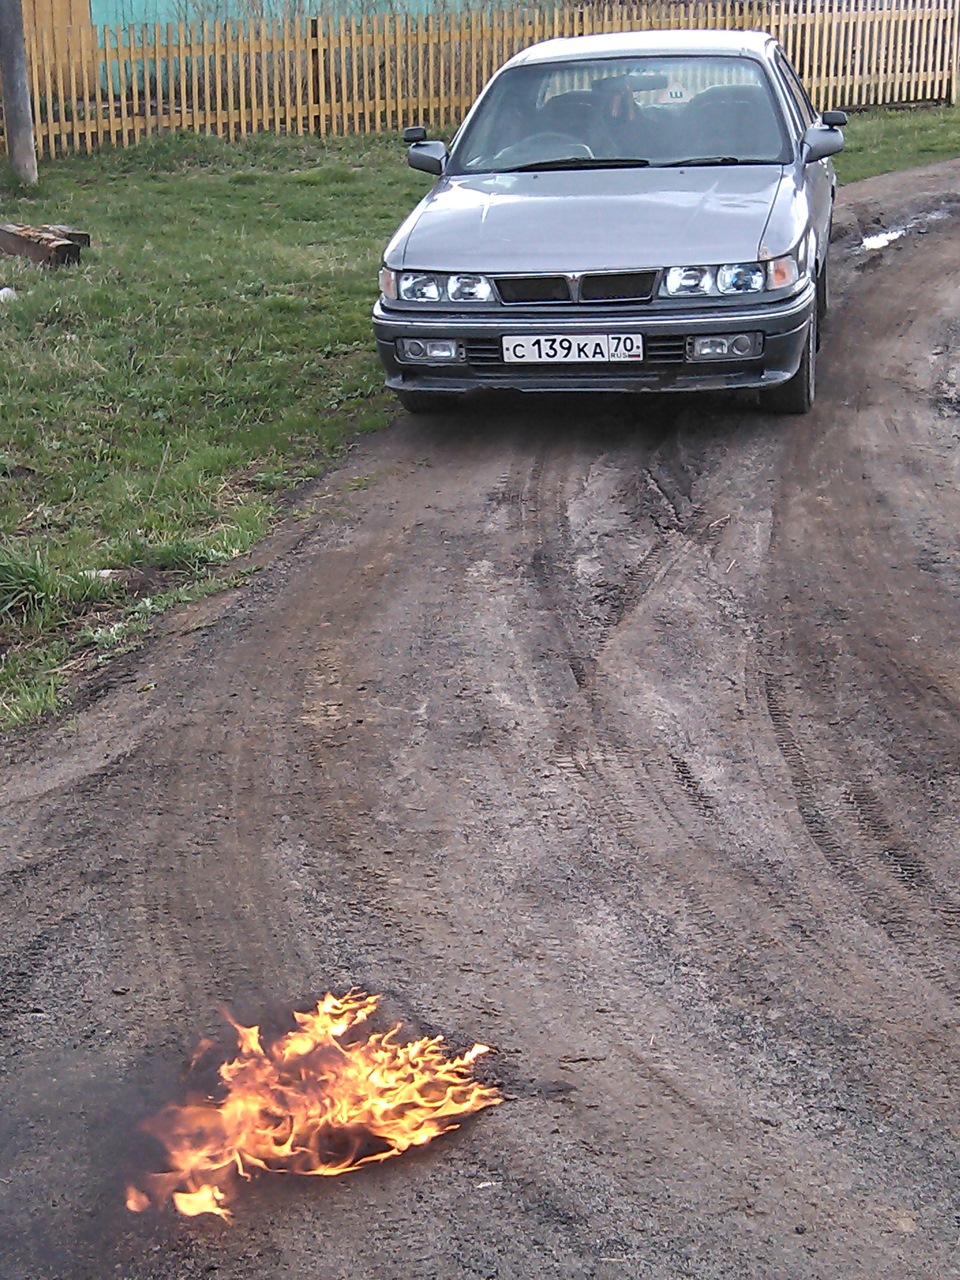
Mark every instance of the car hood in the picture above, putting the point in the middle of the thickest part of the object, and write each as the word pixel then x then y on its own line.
pixel 599 220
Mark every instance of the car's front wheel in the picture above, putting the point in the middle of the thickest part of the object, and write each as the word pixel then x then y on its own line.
pixel 797 395
pixel 427 401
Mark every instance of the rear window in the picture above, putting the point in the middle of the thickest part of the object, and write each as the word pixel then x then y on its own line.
pixel 664 110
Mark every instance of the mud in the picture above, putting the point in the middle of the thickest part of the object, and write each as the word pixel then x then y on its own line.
pixel 620 735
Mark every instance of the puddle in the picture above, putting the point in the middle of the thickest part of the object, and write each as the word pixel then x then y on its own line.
pixel 883 238
pixel 880 239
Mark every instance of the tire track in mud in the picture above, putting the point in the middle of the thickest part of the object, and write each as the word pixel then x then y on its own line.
pixel 905 864
pixel 857 678
pixel 687 867
pixel 592 756
pixel 726 967
pixel 733 962
pixel 588 623
pixel 591 753
pixel 675 539
pixel 691 785
pixel 778 930
pixel 507 492
pixel 890 907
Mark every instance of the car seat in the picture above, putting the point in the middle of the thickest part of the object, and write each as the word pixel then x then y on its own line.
pixel 733 120
pixel 577 114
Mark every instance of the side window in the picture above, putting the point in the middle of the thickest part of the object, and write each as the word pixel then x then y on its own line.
pixel 798 95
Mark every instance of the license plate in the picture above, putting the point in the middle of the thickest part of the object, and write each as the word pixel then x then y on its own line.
pixel 573 348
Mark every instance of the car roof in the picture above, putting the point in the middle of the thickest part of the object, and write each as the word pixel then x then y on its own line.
pixel 624 43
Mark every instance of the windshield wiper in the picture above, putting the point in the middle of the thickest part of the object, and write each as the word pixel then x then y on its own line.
pixel 580 162
pixel 704 161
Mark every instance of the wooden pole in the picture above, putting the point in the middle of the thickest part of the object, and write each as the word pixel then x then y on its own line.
pixel 17 117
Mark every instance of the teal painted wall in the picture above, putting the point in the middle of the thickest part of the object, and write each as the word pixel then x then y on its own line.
pixel 127 13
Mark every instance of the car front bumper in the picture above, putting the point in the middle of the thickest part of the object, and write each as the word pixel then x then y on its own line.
pixel 665 366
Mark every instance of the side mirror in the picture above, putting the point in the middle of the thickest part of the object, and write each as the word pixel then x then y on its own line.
pixel 834 119
pixel 819 142
pixel 429 157
pixel 414 133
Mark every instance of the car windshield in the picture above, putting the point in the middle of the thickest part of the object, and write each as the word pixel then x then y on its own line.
pixel 624 112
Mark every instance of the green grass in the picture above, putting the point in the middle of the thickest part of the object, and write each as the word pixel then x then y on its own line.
pixel 881 141
pixel 213 348
pixel 34 596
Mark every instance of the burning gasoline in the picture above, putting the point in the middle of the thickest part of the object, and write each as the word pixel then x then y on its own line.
pixel 320 1100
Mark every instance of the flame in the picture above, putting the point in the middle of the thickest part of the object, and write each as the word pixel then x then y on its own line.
pixel 310 1103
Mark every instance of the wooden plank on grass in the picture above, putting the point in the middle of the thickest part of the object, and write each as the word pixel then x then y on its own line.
pixel 39 246
pixel 81 238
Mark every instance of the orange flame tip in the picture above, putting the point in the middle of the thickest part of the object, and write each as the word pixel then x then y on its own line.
pixel 205 1200
pixel 137 1202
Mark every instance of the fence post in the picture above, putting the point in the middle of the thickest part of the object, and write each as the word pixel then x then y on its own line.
pixel 17 115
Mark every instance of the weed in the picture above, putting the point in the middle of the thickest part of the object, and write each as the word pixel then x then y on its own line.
pixel 34 595
pixel 28 586
pixel 30 683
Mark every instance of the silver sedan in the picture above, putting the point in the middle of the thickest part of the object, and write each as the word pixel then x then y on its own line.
pixel 644 211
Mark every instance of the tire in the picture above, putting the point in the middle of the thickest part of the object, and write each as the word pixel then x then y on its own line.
pixel 421 402
pixel 797 395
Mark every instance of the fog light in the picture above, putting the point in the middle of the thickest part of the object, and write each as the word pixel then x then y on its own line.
pixel 442 349
pixel 427 350
pixel 724 346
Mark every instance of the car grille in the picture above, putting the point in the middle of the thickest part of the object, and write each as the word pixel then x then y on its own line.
pixel 625 286
pixel 533 288
pixel 665 350
pixel 608 286
pixel 487 353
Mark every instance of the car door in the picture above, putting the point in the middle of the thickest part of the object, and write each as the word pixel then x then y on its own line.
pixel 818 178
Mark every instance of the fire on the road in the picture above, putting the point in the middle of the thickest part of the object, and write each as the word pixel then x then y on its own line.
pixel 316 1101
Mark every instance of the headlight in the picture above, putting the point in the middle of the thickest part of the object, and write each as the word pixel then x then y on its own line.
pixel 428 286
pixel 731 279
pixel 417 286
pixel 682 282
pixel 469 289
pixel 741 277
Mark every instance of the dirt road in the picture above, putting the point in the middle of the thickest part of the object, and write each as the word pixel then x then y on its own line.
pixel 623 736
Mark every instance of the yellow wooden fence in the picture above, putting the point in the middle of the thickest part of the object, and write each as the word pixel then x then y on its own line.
pixel 60 18
pixel 380 72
